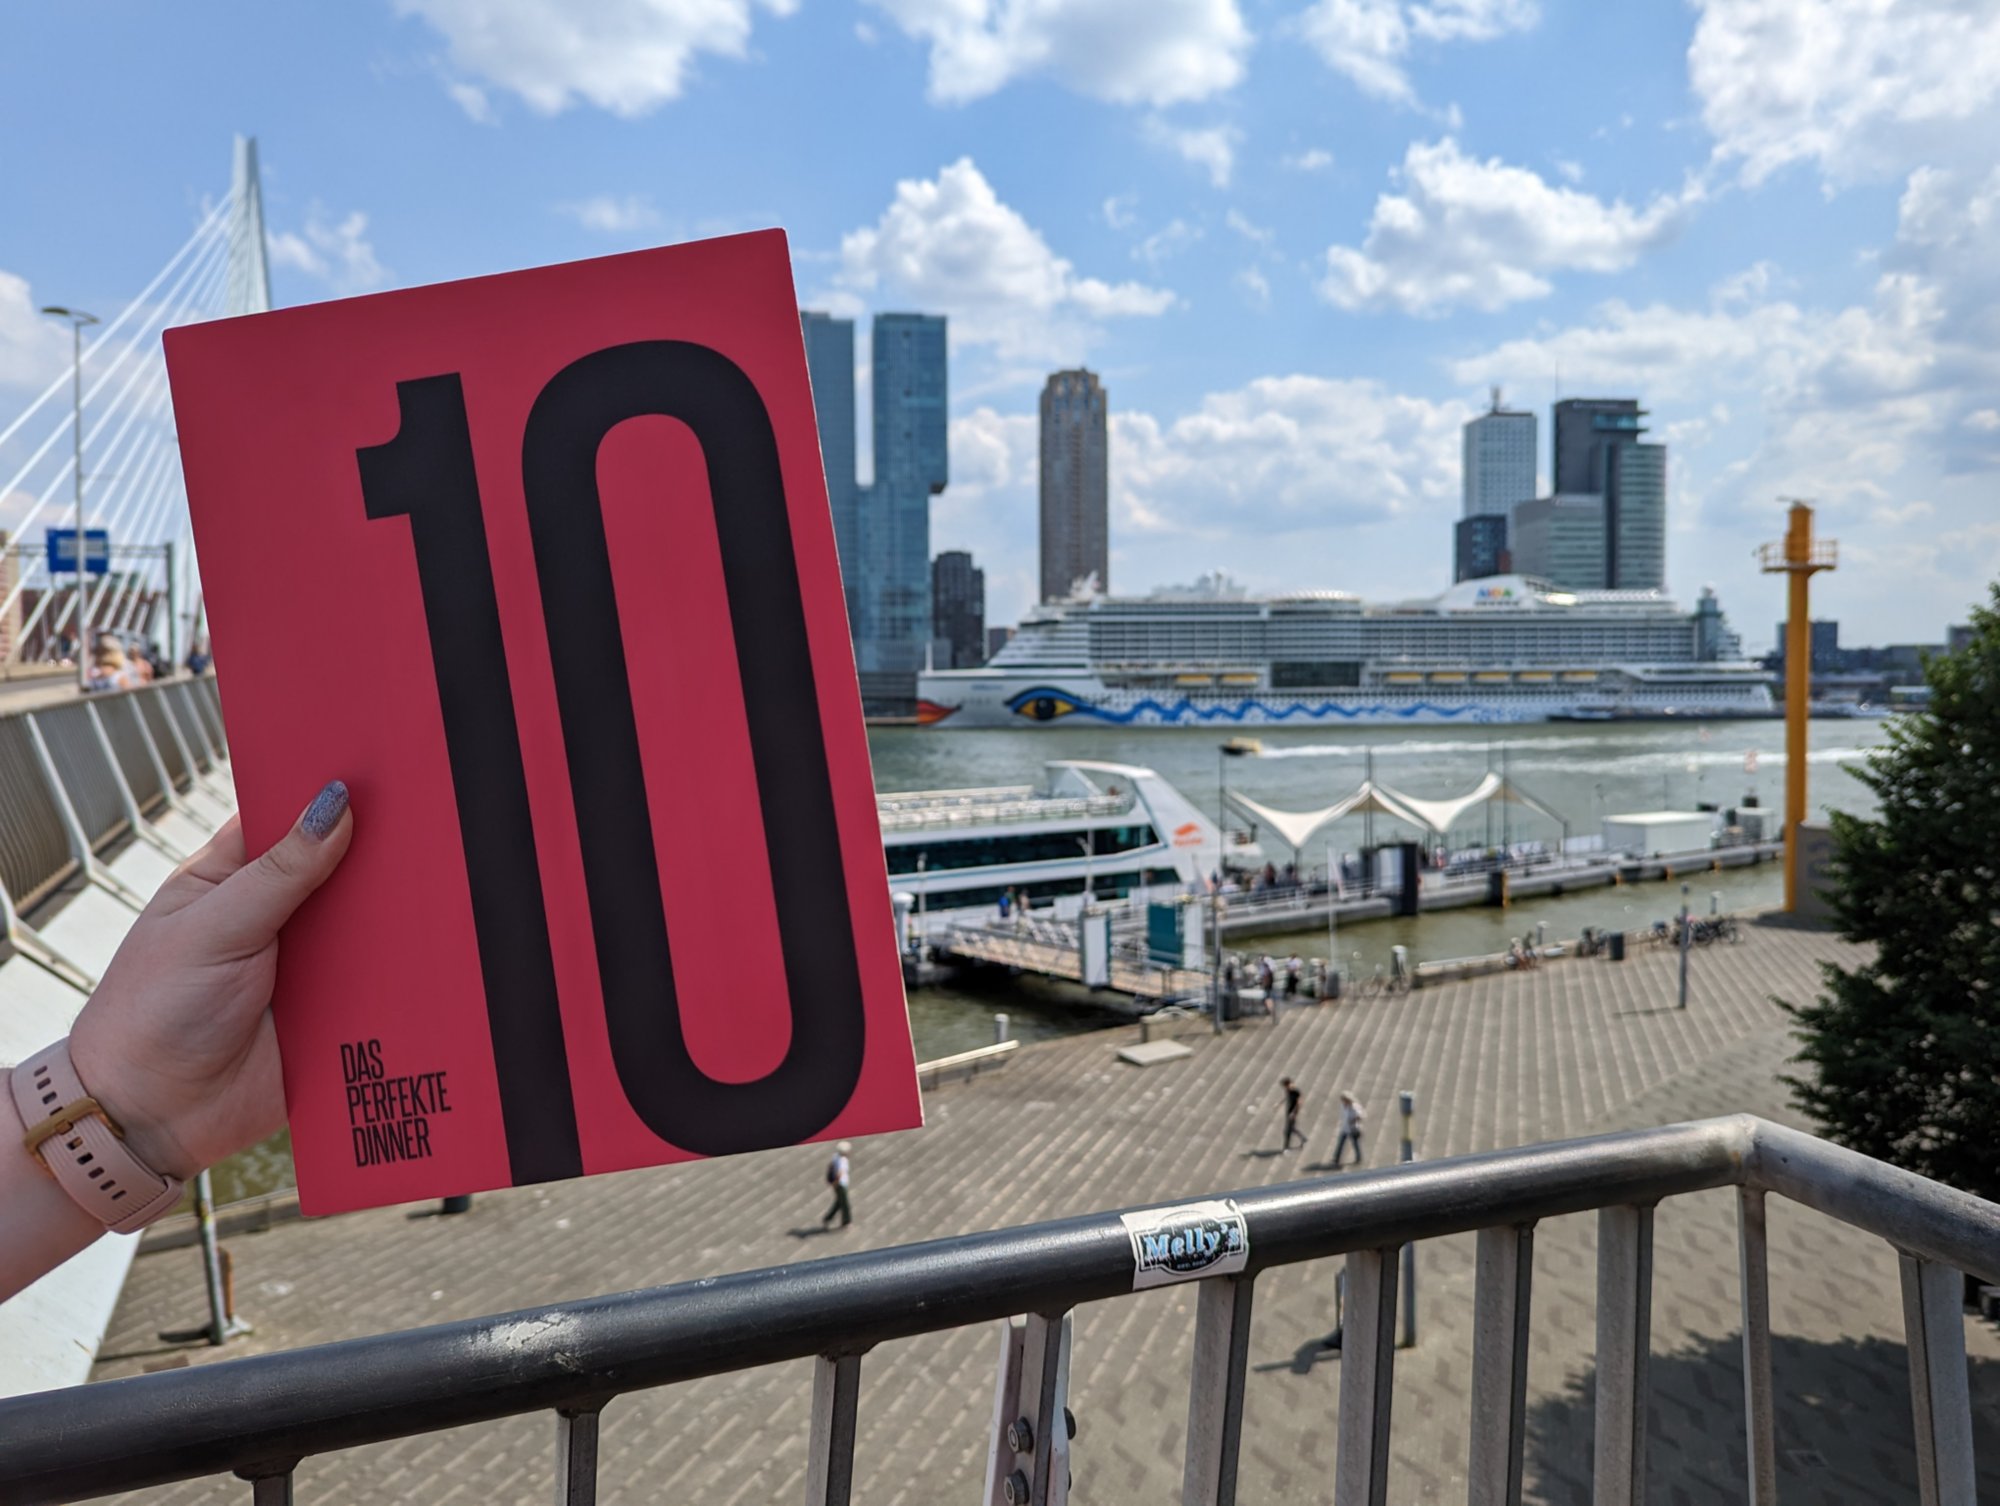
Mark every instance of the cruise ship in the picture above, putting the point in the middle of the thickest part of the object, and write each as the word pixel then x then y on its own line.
pixel 1501 649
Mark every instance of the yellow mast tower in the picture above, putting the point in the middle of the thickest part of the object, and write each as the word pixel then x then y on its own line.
pixel 1800 556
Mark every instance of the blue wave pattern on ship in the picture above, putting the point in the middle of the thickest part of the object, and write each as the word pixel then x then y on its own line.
pixel 1183 709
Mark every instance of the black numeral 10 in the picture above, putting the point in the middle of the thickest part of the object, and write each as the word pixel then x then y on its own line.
pixel 426 474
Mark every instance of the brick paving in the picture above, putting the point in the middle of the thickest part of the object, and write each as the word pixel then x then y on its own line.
pixel 1570 1049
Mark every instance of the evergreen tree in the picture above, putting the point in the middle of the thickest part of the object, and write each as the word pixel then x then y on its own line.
pixel 1903 1053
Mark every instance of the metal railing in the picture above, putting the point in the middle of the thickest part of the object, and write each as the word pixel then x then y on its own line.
pixel 77 776
pixel 259 1417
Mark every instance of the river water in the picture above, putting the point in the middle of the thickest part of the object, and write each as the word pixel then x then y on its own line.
pixel 1582 772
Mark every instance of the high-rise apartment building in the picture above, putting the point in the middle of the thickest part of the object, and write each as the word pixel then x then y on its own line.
pixel 1635 519
pixel 908 356
pixel 958 611
pixel 830 363
pixel 1076 484
pixel 1499 466
pixel 1479 547
pixel 1599 448
pixel 1560 539
pixel 883 530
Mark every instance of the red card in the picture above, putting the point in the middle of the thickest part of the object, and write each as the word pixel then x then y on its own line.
pixel 541 565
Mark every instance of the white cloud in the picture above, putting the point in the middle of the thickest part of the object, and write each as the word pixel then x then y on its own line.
pixel 1256 286
pixel 1169 240
pixel 1370 41
pixel 337 253
pixel 1315 160
pixel 1485 233
pixel 1149 52
pixel 625 56
pixel 610 214
pixel 1886 410
pixel 1119 210
pixel 1282 453
pixel 1212 148
pixel 949 244
pixel 1307 460
pixel 473 100
pixel 33 348
pixel 1861 88
pixel 1248 228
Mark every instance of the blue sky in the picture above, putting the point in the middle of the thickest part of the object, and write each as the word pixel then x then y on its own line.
pixel 1299 238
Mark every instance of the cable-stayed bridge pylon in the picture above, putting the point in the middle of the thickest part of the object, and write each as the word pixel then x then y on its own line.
pixel 109 410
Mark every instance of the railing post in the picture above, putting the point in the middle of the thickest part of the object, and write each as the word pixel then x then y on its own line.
pixel 1501 1301
pixel 1759 1411
pixel 1028 1460
pixel 270 1487
pixel 173 796
pixel 79 839
pixel 576 1454
pixel 1624 1340
pixel 166 705
pixel 1215 1393
pixel 830 1450
pixel 1934 1330
pixel 1367 1372
pixel 141 827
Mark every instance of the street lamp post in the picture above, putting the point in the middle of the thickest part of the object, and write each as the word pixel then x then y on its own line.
pixel 1685 938
pixel 77 320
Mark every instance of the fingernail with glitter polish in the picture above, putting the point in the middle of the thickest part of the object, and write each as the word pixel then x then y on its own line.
pixel 324 814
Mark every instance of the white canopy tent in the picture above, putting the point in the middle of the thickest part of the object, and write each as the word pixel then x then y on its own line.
pixel 1296 826
pixel 1434 816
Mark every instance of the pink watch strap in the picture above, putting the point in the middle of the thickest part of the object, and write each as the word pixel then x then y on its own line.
pixel 83 1148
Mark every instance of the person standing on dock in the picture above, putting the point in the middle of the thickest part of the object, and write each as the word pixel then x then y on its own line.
pixel 836 1177
pixel 1352 1117
pixel 1292 1096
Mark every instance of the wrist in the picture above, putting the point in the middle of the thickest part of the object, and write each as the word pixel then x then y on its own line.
pixel 146 1135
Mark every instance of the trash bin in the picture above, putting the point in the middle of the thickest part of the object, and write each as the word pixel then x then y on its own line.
pixel 1332 984
pixel 1617 946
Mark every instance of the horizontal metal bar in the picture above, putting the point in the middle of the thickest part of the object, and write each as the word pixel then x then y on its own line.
pixel 150 1429
pixel 1940 1223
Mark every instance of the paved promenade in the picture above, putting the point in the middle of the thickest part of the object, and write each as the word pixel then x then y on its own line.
pixel 1569 1049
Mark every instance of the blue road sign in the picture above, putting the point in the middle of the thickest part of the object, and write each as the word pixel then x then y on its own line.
pixel 62 550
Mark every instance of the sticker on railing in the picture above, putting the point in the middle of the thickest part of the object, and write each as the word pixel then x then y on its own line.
pixel 1186 1243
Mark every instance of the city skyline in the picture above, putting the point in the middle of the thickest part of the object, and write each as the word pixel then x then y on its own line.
pixel 1300 248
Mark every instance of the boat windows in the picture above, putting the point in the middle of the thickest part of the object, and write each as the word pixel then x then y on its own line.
pixel 950 855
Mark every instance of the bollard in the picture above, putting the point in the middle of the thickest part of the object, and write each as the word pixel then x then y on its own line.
pixel 1408 1103
pixel 459 1203
pixel 1003 1029
pixel 1715 902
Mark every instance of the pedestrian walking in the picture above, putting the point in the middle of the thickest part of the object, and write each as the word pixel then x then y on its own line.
pixel 1292 1096
pixel 837 1171
pixel 1292 967
pixel 1352 1119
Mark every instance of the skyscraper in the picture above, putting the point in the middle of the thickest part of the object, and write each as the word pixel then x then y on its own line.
pixel 1076 484
pixel 895 511
pixel 1635 519
pixel 1499 466
pixel 958 611
pixel 883 531
pixel 1560 539
pixel 1599 448
pixel 830 363
pixel 1479 546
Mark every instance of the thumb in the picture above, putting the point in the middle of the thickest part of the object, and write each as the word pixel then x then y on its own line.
pixel 251 904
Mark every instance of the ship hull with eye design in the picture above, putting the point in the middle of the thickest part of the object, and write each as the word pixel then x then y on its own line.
pixel 1506 649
